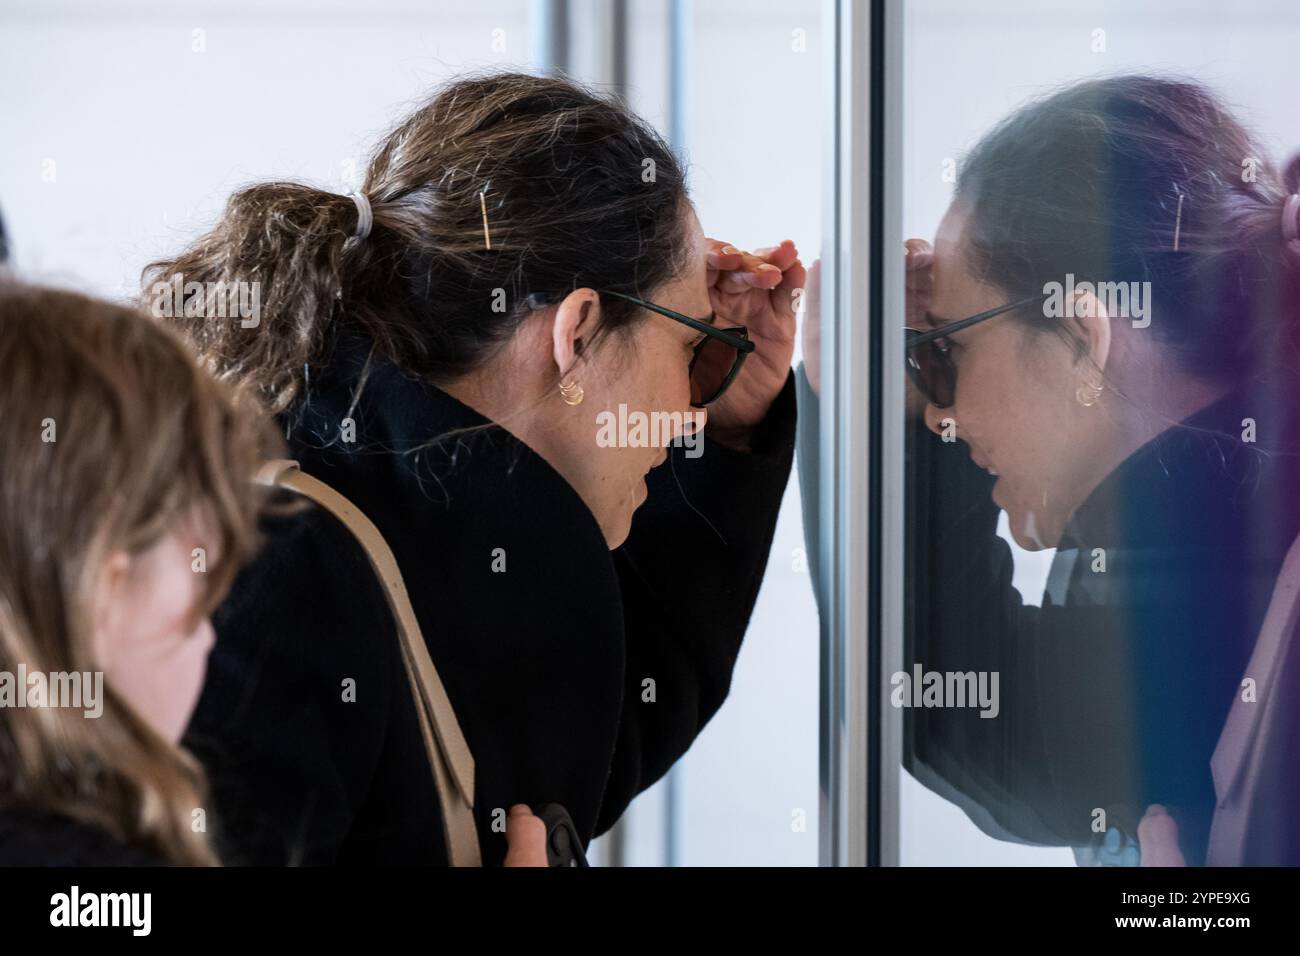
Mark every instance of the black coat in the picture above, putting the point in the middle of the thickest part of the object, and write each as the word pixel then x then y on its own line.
pixel 50 840
pixel 544 662
pixel 1114 692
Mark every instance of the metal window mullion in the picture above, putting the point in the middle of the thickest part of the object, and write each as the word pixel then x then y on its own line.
pixel 549 22
pixel 890 421
pixel 846 489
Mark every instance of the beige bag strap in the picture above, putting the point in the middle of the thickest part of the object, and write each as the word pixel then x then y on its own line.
pixel 449 755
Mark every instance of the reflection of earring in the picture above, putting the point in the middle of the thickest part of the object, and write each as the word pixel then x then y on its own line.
pixel 1088 393
pixel 571 393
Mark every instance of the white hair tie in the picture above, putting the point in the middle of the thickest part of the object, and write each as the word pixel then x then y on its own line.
pixel 1291 218
pixel 365 216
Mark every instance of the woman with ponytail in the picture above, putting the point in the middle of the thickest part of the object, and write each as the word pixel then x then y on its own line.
pixel 502 349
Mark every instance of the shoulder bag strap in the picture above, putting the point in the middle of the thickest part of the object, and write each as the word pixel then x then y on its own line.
pixel 449 755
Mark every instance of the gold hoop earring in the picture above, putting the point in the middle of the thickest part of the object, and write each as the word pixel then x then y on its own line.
pixel 1088 393
pixel 571 392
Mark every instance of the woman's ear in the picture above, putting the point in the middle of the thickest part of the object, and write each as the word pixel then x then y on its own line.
pixel 106 606
pixel 576 319
pixel 1091 324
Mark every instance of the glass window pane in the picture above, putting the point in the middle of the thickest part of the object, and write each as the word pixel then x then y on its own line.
pixel 1098 480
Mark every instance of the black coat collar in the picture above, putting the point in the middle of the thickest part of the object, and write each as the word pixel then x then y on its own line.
pixel 1199 484
pixel 413 434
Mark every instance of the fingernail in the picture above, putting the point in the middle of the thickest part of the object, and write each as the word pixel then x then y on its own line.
pixel 730 251
pixel 768 267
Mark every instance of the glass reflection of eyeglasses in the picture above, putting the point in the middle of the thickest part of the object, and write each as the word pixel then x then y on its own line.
pixel 929 362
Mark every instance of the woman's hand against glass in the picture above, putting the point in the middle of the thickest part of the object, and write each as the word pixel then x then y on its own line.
pixel 919 262
pixel 812 328
pixel 758 290
pixel 1158 838
pixel 919 274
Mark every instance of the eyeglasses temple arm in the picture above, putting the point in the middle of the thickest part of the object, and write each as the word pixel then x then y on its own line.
pixel 954 327
pixel 739 342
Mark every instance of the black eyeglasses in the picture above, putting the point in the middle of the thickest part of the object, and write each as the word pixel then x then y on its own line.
pixel 717 359
pixel 929 359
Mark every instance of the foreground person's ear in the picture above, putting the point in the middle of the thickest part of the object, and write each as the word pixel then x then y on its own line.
pixel 575 321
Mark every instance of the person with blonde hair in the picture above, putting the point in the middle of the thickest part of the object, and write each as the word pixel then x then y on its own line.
pixel 125 511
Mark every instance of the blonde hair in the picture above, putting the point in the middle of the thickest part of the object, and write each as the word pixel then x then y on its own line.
pixel 142 439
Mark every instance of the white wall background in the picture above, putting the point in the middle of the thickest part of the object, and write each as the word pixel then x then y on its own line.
pixel 148 136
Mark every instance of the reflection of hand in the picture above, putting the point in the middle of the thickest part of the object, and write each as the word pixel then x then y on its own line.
pixel 525 838
pixel 755 290
pixel 1158 838
pixel 919 266
pixel 812 328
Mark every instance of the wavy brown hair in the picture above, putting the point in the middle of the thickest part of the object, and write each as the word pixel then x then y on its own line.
pixel 576 190
pixel 143 440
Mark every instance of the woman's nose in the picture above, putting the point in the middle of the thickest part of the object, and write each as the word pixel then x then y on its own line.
pixel 935 417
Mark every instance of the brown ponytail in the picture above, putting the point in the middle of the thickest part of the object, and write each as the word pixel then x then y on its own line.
pixel 287 238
